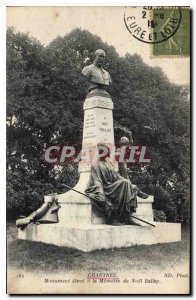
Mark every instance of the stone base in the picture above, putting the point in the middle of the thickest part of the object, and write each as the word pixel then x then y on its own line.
pixel 77 209
pixel 100 236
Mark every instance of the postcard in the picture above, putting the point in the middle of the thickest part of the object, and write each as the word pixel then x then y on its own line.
pixel 98 150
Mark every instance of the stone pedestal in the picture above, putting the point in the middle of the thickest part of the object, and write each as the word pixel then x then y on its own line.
pixel 91 237
pixel 98 127
pixel 80 226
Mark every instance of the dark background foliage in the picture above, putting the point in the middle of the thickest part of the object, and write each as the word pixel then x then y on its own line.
pixel 45 94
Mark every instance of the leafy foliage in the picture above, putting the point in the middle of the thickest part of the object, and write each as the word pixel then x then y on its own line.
pixel 159 216
pixel 45 94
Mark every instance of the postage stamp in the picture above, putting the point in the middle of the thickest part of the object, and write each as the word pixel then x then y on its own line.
pixel 166 29
pixel 179 42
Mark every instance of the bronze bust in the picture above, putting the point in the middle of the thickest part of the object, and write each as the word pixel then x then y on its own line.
pixel 97 76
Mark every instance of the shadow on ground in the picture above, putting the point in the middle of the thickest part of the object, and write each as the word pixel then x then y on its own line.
pixel 39 257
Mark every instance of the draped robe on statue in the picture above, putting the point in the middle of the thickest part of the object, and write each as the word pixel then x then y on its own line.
pixel 112 193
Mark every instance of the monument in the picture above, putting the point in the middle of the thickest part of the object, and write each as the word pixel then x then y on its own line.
pixel 79 225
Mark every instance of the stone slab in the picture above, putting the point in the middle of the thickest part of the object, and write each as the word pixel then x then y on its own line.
pixel 77 209
pixel 101 236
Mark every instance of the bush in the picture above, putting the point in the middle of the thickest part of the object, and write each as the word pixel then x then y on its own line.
pixel 159 216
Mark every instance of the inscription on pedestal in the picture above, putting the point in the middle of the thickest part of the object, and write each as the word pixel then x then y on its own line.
pixel 89 125
pixel 98 122
pixel 98 101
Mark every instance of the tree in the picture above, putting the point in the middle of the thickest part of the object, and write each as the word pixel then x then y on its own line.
pixel 45 94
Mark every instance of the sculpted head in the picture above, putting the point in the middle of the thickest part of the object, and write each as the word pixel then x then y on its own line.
pixel 103 151
pixel 124 141
pixel 99 58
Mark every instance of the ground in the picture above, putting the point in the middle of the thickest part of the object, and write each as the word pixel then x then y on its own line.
pixel 39 257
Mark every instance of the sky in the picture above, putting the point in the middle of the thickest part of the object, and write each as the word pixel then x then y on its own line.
pixel 46 23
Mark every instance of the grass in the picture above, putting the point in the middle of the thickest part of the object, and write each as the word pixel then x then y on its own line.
pixel 39 257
